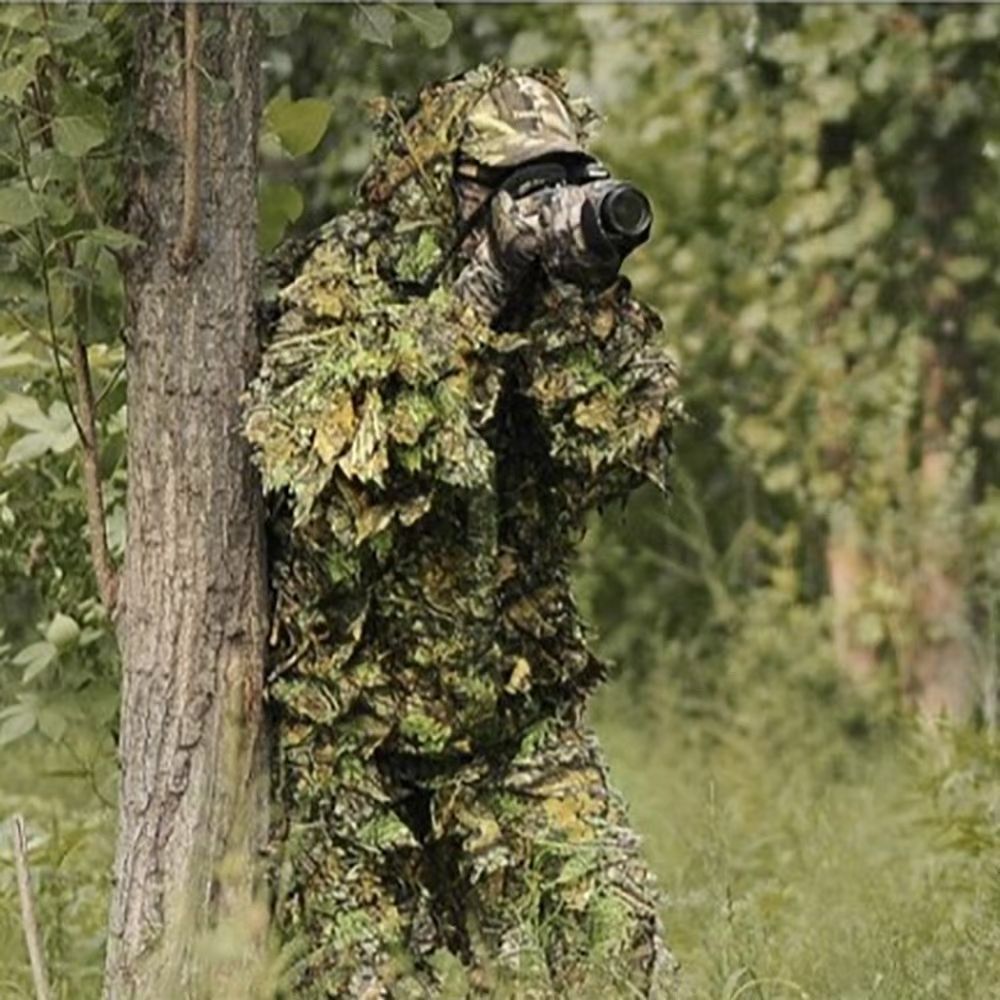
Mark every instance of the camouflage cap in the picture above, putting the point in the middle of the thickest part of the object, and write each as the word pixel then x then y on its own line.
pixel 519 120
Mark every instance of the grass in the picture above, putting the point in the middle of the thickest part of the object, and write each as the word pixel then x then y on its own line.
pixel 63 790
pixel 831 866
pixel 802 855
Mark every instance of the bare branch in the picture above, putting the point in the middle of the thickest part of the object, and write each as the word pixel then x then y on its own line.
pixel 112 382
pixel 187 245
pixel 32 935
pixel 100 553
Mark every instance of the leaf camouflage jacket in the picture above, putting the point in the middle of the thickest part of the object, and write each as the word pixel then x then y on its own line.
pixel 446 826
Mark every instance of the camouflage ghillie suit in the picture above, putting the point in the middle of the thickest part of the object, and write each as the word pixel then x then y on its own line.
pixel 448 823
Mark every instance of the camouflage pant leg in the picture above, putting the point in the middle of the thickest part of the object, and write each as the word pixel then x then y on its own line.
pixel 557 894
pixel 352 896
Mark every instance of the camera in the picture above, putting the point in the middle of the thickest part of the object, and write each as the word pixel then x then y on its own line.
pixel 566 219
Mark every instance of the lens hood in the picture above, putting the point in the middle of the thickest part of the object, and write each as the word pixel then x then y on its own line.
pixel 626 216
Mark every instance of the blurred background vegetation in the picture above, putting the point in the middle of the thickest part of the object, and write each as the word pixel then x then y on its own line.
pixel 826 577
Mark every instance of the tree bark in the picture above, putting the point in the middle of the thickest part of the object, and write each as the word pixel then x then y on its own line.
pixel 192 813
pixel 941 668
pixel 849 571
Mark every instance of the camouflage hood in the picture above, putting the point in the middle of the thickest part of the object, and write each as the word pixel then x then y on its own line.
pixel 492 113
pixel 520 119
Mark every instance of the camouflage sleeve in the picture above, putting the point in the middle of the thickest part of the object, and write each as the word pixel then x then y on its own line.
pixel 605 390
pixel 501 260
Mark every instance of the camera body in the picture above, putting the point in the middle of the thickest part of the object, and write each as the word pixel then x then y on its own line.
pixel 567 220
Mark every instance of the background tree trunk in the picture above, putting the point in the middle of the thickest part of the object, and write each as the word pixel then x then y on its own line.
pixel 849 571
pixel 942 667
pixel 193 789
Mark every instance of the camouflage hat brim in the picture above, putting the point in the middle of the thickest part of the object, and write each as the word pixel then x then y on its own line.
pixel 528 149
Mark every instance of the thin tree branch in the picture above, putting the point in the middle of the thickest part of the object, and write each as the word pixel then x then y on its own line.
pixel 43 262
pixel 187 245
pixel 100 553
pixel 112 382
pixel 85 420
pixel 32 935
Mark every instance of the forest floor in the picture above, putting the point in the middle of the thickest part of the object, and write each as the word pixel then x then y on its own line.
pixel 798 860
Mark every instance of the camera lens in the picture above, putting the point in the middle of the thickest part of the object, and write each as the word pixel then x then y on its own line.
pixel 626 214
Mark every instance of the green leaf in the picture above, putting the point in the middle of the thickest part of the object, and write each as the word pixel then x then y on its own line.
pixel 12 364
pixel 966 269
pixel 52 723
pixel 432 22
pixel 63 631
pixel 32 652
pixel 14 79
pixel 298 124
pixel 22 410
pixel 58 212
pixel 20 16
pixel 114 239
pixel 53 432
pixel 18 206
pixel 374 22
pixel 281 19
pixel 27 448
pixel 35 658
pixel 17 725
pixel 72 30
pixel 77 135
pixel 280 204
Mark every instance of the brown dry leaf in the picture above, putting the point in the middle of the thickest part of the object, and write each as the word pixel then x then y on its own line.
pixel 603 323
pixel 335 428
pixel 368 458
pixel 520 677
pixel 332 302
pixel 372 520
pixel 565 815
pixel 595 414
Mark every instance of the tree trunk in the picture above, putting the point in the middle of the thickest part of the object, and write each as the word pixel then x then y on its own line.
pixel 849 571
pixel 941 671
pixel 193 788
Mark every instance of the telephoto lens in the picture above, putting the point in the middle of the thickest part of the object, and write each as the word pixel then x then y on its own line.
pixel 626 217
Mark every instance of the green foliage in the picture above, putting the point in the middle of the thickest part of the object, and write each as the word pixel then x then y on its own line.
pixel 824 177
pixel 293 128
pixel 299 125
pixel 377 22
pixel 63 138
pixel 824 180
pixel 801 856
pixel 61 129
pixel 64 786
